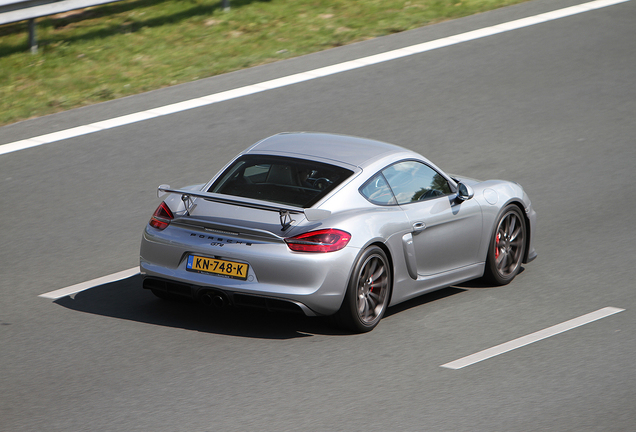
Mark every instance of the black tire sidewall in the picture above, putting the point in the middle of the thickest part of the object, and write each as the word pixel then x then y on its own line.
pixel 492 273
pixel 348 316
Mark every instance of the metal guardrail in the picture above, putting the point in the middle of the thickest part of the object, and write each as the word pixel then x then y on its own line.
pixel 21 10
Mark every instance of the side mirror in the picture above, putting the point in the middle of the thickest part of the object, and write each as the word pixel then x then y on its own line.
pixel 464 192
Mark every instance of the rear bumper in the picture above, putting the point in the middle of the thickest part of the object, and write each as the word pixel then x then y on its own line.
pixel 315 283
pixel 221 298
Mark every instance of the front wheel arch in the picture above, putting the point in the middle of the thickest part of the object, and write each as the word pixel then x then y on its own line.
pixel 497 269
pixel 522 209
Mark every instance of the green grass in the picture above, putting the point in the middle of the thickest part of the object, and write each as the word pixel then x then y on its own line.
pixel 106 52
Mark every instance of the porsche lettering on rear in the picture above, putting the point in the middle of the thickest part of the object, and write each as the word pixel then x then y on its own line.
pixel 219 241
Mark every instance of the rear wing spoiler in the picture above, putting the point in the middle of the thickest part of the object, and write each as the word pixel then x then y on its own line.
pixel 284 212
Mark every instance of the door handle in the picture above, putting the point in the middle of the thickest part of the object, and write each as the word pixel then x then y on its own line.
pixel 419 226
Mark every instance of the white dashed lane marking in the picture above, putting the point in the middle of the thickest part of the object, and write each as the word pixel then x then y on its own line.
pixel 74 289
pixel 531 338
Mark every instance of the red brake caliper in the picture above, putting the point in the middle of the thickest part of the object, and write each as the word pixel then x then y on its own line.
pixel 497 245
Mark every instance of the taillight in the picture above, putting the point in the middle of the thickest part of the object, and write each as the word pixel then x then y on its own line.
pixel 328 240
pixel 161 217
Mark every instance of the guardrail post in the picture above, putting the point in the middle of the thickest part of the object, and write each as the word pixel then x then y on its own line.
pixel 33 39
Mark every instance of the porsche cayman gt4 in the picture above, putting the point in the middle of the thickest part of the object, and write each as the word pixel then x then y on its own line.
pixel 333 225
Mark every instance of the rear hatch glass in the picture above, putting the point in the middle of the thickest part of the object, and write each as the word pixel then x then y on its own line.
pixel 282 180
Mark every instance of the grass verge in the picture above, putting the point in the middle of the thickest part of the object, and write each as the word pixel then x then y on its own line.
pixel 106 52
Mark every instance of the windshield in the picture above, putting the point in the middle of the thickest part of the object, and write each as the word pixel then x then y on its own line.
pixel 283 180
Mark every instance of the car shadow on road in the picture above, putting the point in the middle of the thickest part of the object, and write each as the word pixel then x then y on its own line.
pixel 125 299
pixel 482 282
pixel 424 299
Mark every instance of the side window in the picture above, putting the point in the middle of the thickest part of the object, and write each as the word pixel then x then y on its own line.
pixel 413 181
pixel 377 191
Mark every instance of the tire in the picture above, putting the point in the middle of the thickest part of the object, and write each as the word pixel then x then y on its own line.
pixel 507 247
pixel 368 292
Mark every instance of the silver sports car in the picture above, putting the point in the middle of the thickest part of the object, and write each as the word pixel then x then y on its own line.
pixel 333 225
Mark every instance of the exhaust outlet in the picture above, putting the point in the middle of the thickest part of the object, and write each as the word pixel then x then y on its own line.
pixel 213 299
pixel 207 299
pixel 218 302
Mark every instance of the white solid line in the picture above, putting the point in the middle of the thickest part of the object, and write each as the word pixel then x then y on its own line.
pixel 305 76
pixel 74 289
pixel 531 338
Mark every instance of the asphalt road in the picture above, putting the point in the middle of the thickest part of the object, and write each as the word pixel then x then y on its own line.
pixel 551 106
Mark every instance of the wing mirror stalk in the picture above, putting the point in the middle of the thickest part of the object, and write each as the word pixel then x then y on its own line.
pixel 464 192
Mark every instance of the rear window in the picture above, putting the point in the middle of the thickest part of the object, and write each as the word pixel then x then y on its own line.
pixel 283 180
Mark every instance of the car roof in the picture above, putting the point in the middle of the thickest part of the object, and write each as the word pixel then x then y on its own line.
pixel 341 148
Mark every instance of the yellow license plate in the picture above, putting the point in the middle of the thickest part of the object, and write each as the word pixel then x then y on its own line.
pixel 217 267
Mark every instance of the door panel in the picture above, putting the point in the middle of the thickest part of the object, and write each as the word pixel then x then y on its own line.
pixel 446 235
pixel 445 232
